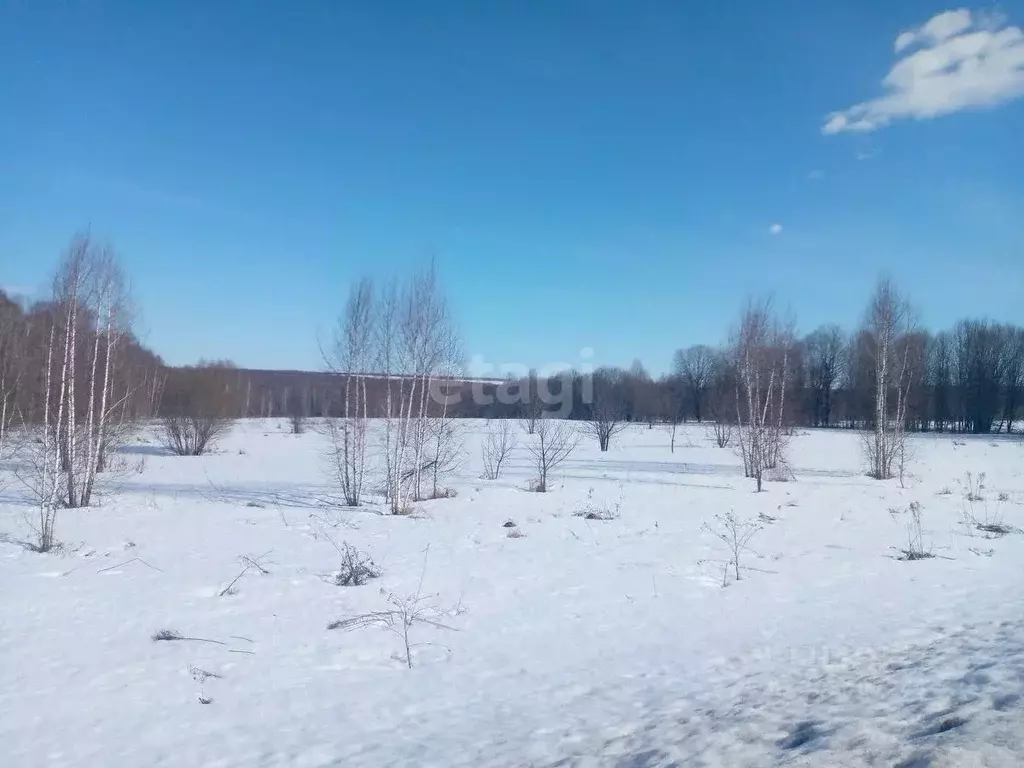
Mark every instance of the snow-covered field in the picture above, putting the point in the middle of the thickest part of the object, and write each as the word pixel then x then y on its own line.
pixel 584 642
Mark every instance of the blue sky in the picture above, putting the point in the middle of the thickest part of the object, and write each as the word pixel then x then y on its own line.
pixel 588 174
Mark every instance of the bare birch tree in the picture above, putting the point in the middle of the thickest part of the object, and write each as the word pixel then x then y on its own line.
pixel 90 318
pixel 889 323
pixel 761 351
pixel 44 472
pixel 415 342
pixel 430 346
pixel 352 358
pixel 498 445
pixel 87 319
pixel 444 450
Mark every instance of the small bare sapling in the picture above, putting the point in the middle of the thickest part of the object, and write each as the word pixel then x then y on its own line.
pixel 735 533
pixel 498 445
pixel 249 563
pixel 555 439
pixel 403 613
pixel 201 675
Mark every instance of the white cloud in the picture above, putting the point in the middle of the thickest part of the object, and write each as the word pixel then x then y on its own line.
pixel 953 62
pixel 775 229
pixel 939 28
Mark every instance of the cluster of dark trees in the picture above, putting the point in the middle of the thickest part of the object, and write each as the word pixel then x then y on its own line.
pixel 28 351
pixel 968 379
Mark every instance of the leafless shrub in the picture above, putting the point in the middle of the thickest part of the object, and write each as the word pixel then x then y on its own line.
pixel 515 533
pixel 357 568
pixel 249 563
pixel 974 487
pixel 554 440
pixel 498 445
pixel 196 405
pixel 403 614
pixel 298 423
pixel 1003 496
pixel 916 548
pixel 190 435
pixel 990 523
pixel 945 491
pixel 978 516
pixel 174 635
pixel 735 533
pixel 591 509
pixel 721 433
pixel 167 634
pixel 201 675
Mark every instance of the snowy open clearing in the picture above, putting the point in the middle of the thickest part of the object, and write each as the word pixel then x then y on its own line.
pixel 583 642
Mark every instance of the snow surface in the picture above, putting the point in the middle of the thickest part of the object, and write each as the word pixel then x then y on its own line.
pixel 583 643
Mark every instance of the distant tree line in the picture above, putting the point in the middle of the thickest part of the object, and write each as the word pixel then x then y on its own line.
pixel 968 379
